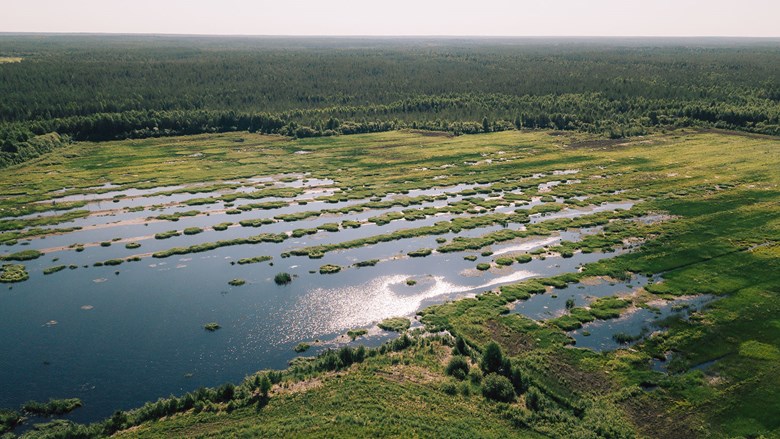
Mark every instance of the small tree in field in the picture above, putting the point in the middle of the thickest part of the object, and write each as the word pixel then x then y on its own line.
pixel 492 359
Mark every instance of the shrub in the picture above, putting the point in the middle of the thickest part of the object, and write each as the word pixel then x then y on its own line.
pixel 492 360
pixel 132 245
pixel 498 388
pixel 369 263
pixel 483 266
pixel 302 347
pixel 105 244
pixel 520 380
pixel 535 400
pixel 329 269
pixel 221 227
pixel 237 282
pixel 411 282
pixel 449 388
pixel 25 255
pixel 213 326
pixel 475 375
pixel 282 278
pixel 163 235
pixel 420 253
pixel 523 259
pixel 52 407
pixel 13 273
pixel 505 261
pixel 192 230
pixel 254 260
pixel 397 324
pixel 471 258
pixel 54 269
pixel 355 333
pixel 457 367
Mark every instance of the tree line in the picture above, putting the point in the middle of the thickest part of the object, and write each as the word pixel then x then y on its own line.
pixel 95 88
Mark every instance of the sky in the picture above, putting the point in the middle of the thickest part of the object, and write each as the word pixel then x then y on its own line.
pixel 747 18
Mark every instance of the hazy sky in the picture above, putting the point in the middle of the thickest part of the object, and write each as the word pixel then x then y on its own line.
pixel 760 18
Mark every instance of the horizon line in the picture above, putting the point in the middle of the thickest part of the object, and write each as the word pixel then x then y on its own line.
pixel 165 34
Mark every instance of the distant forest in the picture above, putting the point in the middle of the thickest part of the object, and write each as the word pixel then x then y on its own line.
pixel 117 87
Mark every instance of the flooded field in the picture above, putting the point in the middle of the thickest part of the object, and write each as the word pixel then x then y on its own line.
pixel 119 293
pixel 113 311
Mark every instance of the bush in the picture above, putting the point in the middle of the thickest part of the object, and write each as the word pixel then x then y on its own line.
pixel 520 380
pixel 329 269
pixel 282 278
pixel 132 245
pixel 25 255
pixel 449 388
pixel 221 227
pixel 13 273
pixel 211 327
pixel 420 253
pixel 483 266
pixel 498 388
pixel 53 407
pixel 397 324
pixel 54 269
pixel 254 260
pixel 237 282
pixel 504 261
pixel 457 367
pixel 369 263
pixel 192 230
pixel 163 235
pixel 535 400
pixel 475 375
pixel 302 347
pixel 523 259
pixel 355 333
pixel 492 360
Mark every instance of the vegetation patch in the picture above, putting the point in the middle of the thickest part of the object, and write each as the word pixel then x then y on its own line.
pixel 167 235
pixel 368 263
pixel 54 269
pixel 355 333
pixel 52 407
pixel 254 260
pixel 24 255
pixel 282 278
pixel 396 324
pixel 759 351
pixel 420 253
pixel 10 273
pixel 505 262
pixel 302 347
pixel 236 282
pixel 329 269
pixel 211 327
pixel 221 227
pixel 192 230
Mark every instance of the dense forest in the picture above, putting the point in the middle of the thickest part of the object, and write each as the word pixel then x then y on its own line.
pixel 114 87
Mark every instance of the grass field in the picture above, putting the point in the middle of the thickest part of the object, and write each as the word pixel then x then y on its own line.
pixel 717 192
